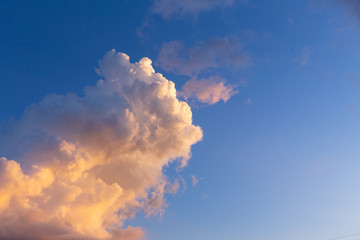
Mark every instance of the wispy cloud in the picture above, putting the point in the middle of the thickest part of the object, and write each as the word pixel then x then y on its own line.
pixel 248 101
pixel 195 180
pixel 207 90
pixel 84 164
pixel 304 58
pixel 354 7
pixel 177 9
pixel 215 53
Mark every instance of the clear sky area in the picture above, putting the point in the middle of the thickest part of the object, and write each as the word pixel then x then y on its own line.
pixel 180 119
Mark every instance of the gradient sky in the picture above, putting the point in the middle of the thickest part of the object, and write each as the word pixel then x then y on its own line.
pixel 274 86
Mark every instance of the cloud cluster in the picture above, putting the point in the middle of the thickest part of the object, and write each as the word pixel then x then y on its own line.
pixel 208 90
pixel 215 54
pixel 85 164
pixel 176 8
pixel 204 57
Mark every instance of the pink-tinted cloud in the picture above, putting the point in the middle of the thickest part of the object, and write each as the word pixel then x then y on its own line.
pixel 84 164
pixel 207 90
pixel 218 52
pixel 177 9
pixel 129 233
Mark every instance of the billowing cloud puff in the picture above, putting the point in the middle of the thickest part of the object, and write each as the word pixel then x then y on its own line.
pixel 176 8
pixel 218 52
pixel 76 167
pixel 207 90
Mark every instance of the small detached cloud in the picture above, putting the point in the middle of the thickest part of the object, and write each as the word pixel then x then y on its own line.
pixel 218 52
pixel 304 58
pixel 248 101
pixel 207 90
pixel 177 9
pixel 290 21
pixel 205 197
pixel 195 180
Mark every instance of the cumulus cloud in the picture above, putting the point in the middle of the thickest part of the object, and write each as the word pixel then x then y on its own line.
pixel 76 167
pixel 218 52
pixel 207 90
pixel 177 9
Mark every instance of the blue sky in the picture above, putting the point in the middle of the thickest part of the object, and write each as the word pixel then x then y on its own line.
pixel 279 157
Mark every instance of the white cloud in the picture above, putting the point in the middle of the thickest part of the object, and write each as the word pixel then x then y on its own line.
pixel 208 90
pixel 85 164
pixel 180 8
pixel 218 52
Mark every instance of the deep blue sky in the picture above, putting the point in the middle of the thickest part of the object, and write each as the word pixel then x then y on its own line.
pixel 284 165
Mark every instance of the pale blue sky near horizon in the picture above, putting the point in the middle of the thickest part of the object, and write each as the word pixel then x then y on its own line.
pixel 278 161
